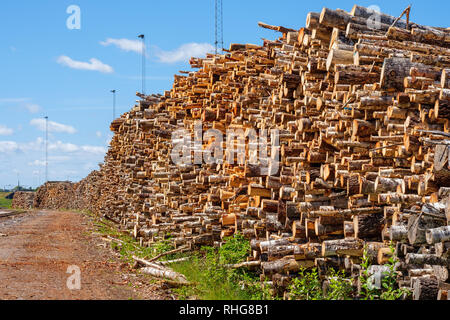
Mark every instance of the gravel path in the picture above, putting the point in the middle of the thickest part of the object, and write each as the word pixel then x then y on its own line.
pixel 37 248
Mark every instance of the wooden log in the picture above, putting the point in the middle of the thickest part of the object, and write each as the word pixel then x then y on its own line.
pixel 443 294
pixel 338 56
pixel 445 79
pixel 423 259
pixel 384 255
pixel 285 265
pixel 442 249
pixel 398 233
pixel 165 274
pixel 394 72
pixel 417 227
pixel 351 247
pixel 426 288
pixel 441 165
pixel 441 234
pixel 368 225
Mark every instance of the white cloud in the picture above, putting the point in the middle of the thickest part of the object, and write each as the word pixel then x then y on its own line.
pixel 63 147
pixel 93 150
pixel 71 148
pixel 59 158
pixel 52 126
pixel 22 103
pixel 5 131
pixel 37 163
pixel 124 44
pixel 8 146
pixel 14 100
pixel 98 134
pixel 33 108
pixel 92 65
pixel 184 53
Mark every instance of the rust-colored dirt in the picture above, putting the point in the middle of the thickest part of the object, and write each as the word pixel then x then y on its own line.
pixel 37 248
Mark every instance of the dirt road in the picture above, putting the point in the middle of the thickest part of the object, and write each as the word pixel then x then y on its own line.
pixel 37 248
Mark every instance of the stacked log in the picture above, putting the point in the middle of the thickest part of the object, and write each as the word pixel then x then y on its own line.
pixel 54 196
pixel 23 200
pixel 362 113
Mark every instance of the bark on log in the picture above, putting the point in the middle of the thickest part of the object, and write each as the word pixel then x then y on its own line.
pixel 423 259
pixel 165 274
pixel 394 72
pixel 368 225
pixel 351 247
pixel 441 234
pixel 417 227
pixel 426 288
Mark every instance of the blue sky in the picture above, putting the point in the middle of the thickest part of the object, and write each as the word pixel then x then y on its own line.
pixel 43 67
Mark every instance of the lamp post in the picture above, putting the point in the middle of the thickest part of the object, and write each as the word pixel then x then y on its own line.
pixel 141 36
pixel 46 149
pixel 114 104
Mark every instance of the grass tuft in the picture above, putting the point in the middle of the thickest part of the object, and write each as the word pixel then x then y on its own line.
pixel 5 203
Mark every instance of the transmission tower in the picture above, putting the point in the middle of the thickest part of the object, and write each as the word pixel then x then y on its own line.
pixel 219 26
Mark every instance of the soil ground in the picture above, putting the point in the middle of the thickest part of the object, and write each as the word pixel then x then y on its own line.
pixel 36 249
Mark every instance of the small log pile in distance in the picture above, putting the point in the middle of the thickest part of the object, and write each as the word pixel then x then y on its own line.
pixel 54 196
pixel 23 200
pixel 362 110
pixel 57 195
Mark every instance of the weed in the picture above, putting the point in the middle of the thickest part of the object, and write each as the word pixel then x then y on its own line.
pixel 5 203
pixel 307 286
pixel 340 288
pixel 389 289
pixel 214 281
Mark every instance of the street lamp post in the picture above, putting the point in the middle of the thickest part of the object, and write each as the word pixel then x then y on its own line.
pixel 46 149
pixel 141 36
pixel 114 104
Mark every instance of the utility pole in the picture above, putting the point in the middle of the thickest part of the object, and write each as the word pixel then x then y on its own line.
pixel 114 104
pixel 141 36
pixel 46 149
pixel 219 25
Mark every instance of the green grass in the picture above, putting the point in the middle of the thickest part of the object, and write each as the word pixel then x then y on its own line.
pixel 127 246
pixel 5 203
pixel 210 281
pixel 213 281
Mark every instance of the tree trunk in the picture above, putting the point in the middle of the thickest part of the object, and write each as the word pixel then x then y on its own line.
pixel 398 233
pixel 423 259
pixel 417 227
pixel 441 234
pixel 441 166
pixel 165 274
pixel 394 72
pixel 368 225
pixel 426 288
pixel 351 247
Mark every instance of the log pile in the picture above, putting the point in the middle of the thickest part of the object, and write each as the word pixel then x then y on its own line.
pixel 54 196
pixel 362 112
pixel 23 200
